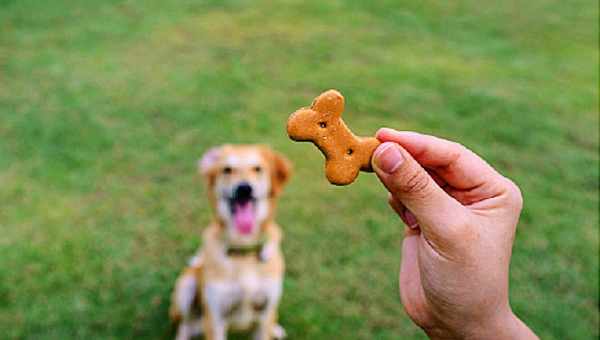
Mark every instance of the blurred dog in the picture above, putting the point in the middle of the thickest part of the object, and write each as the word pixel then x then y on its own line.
pixel 234 282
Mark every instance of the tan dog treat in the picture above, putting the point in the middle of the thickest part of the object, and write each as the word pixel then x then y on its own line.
pixel 322 124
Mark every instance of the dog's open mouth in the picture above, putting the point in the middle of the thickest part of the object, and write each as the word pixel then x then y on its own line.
pixel 243 215
pixel 242 206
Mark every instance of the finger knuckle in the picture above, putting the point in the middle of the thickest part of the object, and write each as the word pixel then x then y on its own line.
pixel 415 182
pixel 514 195
pixel 456 150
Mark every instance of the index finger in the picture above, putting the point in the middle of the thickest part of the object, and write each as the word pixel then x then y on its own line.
pixel 458 166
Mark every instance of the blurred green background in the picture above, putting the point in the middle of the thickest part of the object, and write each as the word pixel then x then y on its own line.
pixel 106 106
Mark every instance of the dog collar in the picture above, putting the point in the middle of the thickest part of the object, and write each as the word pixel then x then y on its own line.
pixel 244 250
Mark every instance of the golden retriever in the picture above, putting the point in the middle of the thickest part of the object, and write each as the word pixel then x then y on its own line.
pixel 234 282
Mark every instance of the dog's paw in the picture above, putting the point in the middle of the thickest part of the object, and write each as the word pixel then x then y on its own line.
pixel 278 332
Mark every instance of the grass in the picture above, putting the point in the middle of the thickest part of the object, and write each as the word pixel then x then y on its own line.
pixel 105 108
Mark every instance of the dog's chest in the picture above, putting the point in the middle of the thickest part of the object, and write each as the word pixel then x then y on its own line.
pixel 243 298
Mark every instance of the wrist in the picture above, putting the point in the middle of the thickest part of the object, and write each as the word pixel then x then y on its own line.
pixel 503 325
pixel 506 325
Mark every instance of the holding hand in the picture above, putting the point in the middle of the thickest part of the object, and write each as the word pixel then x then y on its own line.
pixel 461 217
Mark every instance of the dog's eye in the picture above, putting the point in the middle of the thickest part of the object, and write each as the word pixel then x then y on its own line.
pixel 227 170
pixel 257 169
pixel 323 125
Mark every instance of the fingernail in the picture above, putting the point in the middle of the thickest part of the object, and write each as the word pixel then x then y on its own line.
pixel 388 158
pixel 410 220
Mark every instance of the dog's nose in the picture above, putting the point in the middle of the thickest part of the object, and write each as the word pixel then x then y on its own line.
pixel 243 191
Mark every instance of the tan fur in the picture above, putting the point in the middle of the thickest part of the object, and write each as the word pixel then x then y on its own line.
pixel 247 276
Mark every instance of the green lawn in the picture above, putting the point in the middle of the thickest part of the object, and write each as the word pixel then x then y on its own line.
pixel 105 108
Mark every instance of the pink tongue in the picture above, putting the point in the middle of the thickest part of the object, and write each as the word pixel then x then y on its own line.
pixel 244 217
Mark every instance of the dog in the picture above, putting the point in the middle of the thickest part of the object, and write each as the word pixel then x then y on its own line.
pixel 234 282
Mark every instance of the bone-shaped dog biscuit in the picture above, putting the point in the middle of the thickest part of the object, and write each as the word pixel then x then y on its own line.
pixel 322 124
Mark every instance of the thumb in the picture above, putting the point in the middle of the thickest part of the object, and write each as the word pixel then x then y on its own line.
pixel 411 185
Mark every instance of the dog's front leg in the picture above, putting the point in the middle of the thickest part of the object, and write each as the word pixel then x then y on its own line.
pixel 265 325
pixel 183 332
pixel 217 296
pixel 215 328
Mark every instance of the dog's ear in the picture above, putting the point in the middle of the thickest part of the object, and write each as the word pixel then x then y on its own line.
pixel 330 102
pixel 281 171
pixel 207 165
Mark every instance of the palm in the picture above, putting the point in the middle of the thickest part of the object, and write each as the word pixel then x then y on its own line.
pixel 414 248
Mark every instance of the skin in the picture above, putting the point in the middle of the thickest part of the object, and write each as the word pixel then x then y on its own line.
pixel 461 217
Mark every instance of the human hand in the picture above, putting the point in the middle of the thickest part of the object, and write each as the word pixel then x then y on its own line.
pixel 461 217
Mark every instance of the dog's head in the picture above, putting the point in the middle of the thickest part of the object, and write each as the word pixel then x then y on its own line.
pixel 243 182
